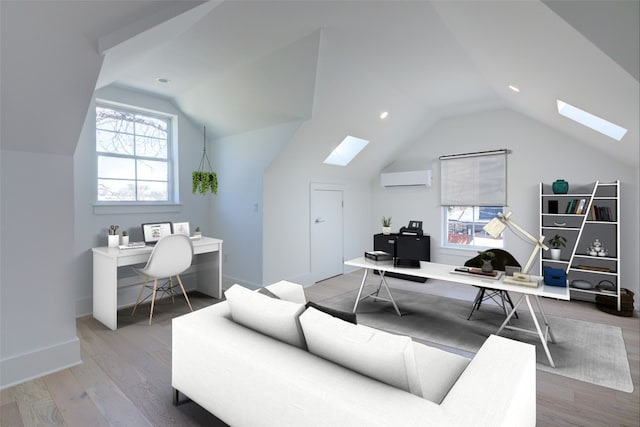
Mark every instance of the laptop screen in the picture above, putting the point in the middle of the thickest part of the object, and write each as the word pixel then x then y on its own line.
pixel 151 233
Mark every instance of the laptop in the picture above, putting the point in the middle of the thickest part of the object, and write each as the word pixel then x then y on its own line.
pixel 152 232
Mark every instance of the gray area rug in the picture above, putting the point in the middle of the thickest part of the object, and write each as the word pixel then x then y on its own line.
pixel 584 351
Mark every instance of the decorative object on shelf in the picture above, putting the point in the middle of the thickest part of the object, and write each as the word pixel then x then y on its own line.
pixel 486 257
pixel 386 225
pixel 606 286
pixel 204 180
pixel 124 240
pixel 196 233
pixel 496 226
pixel 582 284
pixel 560 186
pixel 596 249
pixel 557 242
pixel 553 206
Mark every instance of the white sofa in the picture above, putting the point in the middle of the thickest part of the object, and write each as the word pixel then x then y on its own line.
pixel 247 378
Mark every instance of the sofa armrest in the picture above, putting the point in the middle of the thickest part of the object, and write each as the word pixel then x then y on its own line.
pixel 498 387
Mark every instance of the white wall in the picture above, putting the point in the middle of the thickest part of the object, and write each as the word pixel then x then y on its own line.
pixel 240 162
pixel 37 324
pixel 91 225
pixel 538 153
pixel 286 231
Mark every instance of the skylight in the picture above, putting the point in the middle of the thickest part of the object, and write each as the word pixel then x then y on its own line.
pixel 594 122
pixel 346 151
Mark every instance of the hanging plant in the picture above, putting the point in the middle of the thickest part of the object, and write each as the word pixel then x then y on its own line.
pixel 204 181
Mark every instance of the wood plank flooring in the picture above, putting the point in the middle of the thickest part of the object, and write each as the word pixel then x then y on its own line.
pixel 125 379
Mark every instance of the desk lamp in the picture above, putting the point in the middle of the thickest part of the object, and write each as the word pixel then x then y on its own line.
pixel 497 226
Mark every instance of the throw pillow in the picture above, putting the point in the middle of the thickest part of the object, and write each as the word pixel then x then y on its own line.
pixel 380 355
pixel 273 317
pixel 438 371
pixel 343 315
pixel 267 292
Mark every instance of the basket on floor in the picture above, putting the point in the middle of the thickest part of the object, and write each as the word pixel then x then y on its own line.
pixel 609 304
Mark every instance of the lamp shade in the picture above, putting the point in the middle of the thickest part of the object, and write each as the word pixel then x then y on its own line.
pixel 495 227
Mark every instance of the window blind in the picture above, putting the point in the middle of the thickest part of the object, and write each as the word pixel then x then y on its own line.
pixel 474 179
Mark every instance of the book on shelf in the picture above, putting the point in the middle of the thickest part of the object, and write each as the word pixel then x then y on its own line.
pixel 581 206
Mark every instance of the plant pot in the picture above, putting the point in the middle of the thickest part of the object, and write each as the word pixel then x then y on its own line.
pixel 487 267
pixel 386 230
pixel 124 240
pixel 560 186
pixel 555 254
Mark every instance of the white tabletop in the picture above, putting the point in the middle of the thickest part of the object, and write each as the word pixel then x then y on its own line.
pixel 432 270
pixel 116 252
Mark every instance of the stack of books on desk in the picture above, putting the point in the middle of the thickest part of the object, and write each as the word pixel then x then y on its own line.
pixel 378 257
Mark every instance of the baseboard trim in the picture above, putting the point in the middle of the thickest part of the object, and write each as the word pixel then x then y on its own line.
pixel 28 366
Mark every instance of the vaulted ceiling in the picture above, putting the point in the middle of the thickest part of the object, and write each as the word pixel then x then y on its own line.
pixel 236 66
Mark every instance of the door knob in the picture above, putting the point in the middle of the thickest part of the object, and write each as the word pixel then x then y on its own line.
pixel 319 220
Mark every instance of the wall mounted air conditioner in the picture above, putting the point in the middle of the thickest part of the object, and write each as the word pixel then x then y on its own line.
pixel 403 179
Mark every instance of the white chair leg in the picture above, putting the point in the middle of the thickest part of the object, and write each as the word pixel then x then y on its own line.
pixel 146 279
pixel 173 300
pixel 153 298
pixel 184 292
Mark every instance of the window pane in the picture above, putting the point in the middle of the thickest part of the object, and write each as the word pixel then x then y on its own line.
pixel 152 191
pixel 151 147
pixel 115 121
pixel 151 126
pixel 116 167
pixel 113 189
pixel 465 226
pixel 112 142
pixel 150 170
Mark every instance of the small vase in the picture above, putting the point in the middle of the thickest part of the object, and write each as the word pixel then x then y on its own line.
pixel 560 186
pixel 487 267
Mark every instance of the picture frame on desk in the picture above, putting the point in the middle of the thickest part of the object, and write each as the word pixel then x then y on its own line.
pixel 181 228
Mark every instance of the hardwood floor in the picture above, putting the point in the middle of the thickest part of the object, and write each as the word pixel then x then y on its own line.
pixel 125 379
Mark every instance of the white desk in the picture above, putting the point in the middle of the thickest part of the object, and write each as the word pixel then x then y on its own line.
pixel 207 254
pixel 432 270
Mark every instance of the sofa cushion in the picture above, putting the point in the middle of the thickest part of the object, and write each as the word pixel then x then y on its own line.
pixel 438 370
pixel 289 291
pixel 344 315
pixel 385 357
pixel 273 317
pixel 267 292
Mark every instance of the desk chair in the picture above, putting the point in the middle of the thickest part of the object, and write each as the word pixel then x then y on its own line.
pixel 171 256
pixel 502 298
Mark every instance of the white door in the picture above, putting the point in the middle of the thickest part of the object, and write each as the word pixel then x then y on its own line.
pixel 326 231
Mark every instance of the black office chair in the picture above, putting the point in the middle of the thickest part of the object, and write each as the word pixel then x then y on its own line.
pixel 501 259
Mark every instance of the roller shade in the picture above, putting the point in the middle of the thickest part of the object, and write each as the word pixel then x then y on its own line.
pixel 474 179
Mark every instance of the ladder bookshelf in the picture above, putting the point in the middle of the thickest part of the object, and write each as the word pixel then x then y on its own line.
pixel 581 216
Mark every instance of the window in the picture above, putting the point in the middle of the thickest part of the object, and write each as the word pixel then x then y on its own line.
pixel 134 155
pixel 463 225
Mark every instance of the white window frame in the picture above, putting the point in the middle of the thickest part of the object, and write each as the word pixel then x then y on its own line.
pixel 172 202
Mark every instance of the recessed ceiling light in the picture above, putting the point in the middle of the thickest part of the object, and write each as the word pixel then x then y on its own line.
pixel 514 88
pixel 384 115
pixel 589 120
pixel 162 80
pixel 346 151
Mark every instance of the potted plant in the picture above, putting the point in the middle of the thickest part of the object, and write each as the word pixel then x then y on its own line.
pixel 556 243
pixel 202 182
pixel 125 237
pixel 197 234
pixel 386 225
pixel 486 257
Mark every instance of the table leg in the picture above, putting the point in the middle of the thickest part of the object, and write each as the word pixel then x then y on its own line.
pixel 364 279
pixel 386 286
pixel 538 331
pixel 544 317
pixel 543 337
